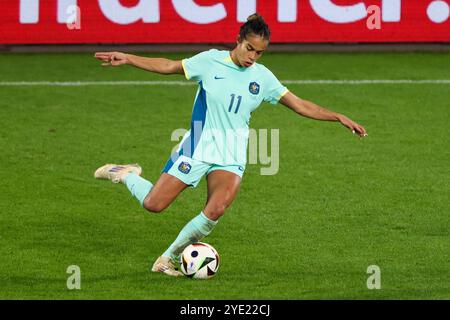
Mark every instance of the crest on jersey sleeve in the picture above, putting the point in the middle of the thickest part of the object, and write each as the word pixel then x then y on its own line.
pixel 253 88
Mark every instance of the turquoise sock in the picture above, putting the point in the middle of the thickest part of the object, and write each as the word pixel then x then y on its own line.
pixel 138 186
pixel 193 231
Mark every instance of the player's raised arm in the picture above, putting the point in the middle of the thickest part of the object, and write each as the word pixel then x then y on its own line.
pixel 157 65
pixel 311 110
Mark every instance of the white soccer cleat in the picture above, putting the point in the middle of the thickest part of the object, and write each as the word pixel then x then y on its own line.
pixel 165 265
pixel 117 173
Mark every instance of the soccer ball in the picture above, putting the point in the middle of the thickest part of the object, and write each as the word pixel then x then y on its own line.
pixel 199 261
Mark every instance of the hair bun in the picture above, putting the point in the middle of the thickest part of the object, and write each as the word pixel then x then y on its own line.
pixel 255 16
pixel 255 25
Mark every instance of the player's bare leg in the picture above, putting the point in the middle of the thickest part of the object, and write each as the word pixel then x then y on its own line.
pixel 223 187
pixel 163 193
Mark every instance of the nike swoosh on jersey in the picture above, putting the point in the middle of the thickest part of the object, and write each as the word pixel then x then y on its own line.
pixel 218 78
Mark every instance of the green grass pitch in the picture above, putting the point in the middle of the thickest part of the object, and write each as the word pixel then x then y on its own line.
pixel 337 205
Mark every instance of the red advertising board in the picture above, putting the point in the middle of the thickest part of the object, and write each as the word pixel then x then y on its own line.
pixel 218 21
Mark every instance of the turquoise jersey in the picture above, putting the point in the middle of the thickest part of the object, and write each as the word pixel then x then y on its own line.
pixel 226 97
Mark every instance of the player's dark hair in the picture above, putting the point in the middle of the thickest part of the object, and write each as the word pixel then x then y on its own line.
pixel 255 25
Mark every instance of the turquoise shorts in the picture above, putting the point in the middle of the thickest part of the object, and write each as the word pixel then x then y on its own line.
pixel 191 171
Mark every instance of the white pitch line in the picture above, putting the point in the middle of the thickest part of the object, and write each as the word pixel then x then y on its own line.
pixel 188 83
pixel 359 82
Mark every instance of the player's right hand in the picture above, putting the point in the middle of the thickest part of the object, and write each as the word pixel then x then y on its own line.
pixel 112 58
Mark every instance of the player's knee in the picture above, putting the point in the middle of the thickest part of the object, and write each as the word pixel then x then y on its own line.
pixel 153 206
pixel 216 211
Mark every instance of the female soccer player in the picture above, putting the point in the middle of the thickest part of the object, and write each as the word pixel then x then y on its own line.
pixel 231 86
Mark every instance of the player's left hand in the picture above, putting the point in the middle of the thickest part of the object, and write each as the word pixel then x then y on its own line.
pixel 353 126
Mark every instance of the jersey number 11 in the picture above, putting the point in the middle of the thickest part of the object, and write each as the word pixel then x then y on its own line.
pixel 239 99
